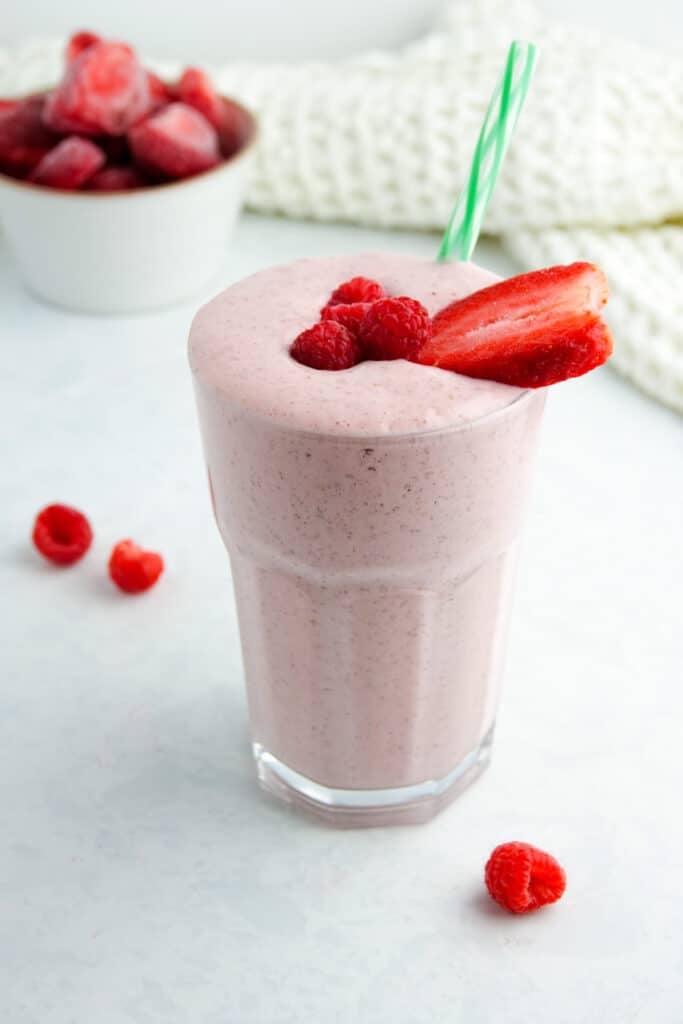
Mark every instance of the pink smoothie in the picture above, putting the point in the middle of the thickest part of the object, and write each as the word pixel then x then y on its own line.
pixel 371 517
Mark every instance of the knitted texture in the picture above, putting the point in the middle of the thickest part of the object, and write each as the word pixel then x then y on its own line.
pixel 385 140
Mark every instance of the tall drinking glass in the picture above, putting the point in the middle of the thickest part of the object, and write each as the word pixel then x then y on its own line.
pixel 373 573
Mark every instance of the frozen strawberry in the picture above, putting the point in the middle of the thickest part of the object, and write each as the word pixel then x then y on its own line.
pixel 24 139
pixel 235 128
pixel 160 92
pixel 62 534
pixel 104 90
pixel 133 569
pixel 326 346
pixel 69 165
pixel 196 89
pixel 116 179
pixel 522 878
pixel 395 328
pixel 530 331
pixel 176 141
pixel 351 314
pixel 79 42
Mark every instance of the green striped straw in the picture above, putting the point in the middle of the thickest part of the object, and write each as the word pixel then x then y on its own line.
pixel 497 130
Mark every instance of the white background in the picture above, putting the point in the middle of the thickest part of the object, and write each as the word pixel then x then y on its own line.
pixel 222 30
pixel 143 878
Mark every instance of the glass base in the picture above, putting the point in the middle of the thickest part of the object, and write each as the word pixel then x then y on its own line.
pixel 358 808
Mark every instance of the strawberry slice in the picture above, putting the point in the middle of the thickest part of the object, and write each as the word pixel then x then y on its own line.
pixel 532 330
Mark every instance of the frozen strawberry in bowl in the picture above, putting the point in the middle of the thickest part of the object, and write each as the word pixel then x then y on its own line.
pixel 118 189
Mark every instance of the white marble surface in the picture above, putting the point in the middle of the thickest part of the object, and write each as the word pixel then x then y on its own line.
pixel 145 880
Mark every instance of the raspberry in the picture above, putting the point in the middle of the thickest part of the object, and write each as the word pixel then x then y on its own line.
pixel 69 165
pixel 79 42
pixel 62 534
pixel 358 289
pixel 350 314
pixel 116 179
pixel 522 878
pixel 104 90
pixel 395 329
pixel 24 139
pixel 196 89
pixel 132 569
pixel 176 141
pixel 234 129
pixel 326 346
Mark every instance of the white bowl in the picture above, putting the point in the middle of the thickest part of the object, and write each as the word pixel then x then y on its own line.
pixel 118 252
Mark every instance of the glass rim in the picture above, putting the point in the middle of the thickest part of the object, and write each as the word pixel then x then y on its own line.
pixel 500 412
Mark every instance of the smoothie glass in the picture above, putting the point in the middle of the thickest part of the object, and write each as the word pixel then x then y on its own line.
pixel 373 578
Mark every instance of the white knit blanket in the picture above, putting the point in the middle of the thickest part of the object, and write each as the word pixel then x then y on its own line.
pixel 595 170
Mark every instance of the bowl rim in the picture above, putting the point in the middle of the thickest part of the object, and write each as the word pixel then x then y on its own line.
pixel 127 193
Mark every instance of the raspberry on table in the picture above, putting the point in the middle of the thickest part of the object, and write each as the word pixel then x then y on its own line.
pixel 350 314
pixel 62 534
pixel 522 878
pixel 326 346
pixel 395 329
pixel 133 569
pixel 358 289
pixel 104 91
pixel 71 163
pixel 176 141
pixel 197 90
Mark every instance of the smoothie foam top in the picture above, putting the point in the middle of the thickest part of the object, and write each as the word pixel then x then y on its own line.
pixel 239 347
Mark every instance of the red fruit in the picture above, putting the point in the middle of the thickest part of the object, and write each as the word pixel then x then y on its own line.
pixel 530 331
pixel 69 165
pixel 350 314
pixel 24 139
pixel 235 128
pixel 62 534
pixel 326 346
pixel 395 329
pixel 522 878
pixel 116 179
pixel 132 569
pixel 196 89
pixel 358 289
pixel 160 92
pixel 79 42
pixel 176 141
pixel 104 90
